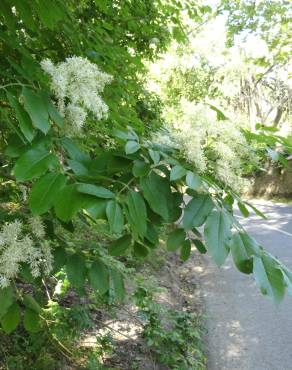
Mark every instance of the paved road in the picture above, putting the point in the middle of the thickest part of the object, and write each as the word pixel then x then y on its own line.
pixel 246 331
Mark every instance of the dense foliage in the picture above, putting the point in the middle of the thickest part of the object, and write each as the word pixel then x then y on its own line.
pixel 77 149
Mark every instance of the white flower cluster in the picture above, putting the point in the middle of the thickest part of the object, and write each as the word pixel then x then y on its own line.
pixel 209 144
pixel 17 248
pixel 77 84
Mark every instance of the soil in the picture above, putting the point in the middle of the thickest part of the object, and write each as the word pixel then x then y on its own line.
pixel 181 293
pixel 276 183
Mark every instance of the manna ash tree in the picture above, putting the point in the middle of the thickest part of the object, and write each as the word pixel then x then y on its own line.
pixel 76 143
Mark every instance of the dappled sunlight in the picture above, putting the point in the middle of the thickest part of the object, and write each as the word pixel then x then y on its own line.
pixel 279 216
pixel 242 324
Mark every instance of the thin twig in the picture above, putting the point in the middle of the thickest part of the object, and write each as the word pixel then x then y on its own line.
pixel 15 84
pixel 47 290
pixel 116 330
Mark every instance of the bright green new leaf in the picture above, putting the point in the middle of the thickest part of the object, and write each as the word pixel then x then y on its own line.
pixel 269 277
pixel 193 180
pixel 115 216
pixel 95 190
pixel 120 246
pixel 137 212
pixel 36 107
pixel 98 276
pixel 45 191
pixel 217 233
pixel 177 172
pixel 175 239
pixel 220 115
pixel 11 319
pixel 31 321
pixel 76 270
pixel 132 147
pixel 197 211
pixel 34 162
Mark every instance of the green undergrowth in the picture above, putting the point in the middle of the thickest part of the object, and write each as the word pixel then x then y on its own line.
pixel 167 335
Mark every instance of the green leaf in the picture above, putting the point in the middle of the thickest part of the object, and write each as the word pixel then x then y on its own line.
pixel 15 147
pixel 115 216
pixel 193 180
pixel 175 239
pixel 244 211
pixel 97 209
pixel 177 172
pixel 152 234
pixel 74 151
pixel 157 193
pixel 68 202
pixel 217 233
pixel 54 114
pixel 132 147
pixel 287 276
pixel 185 250
pixel 117 283
pixel 36 107
pixel 220 115
pixel 257 211
pixel 241 257
pixel 77 167
pixel 31 303
pixel 120 246
pixel 140 168
pixel 98 276
pixel 25 12
pixel 76 270
pixel 34 162
pixel 269 277
pixel 137 213
pixel 11 319
pixel 31 321
pixel 200 246
pixel 45 191
pixel 95 190
pixel 155 156
pixel 49 13
pixel 140 250
pixel 22 117
pixel 6 299
pixel 60 258
pixel 197 211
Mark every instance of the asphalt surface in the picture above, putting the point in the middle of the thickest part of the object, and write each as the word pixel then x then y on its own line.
pixel 246 331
